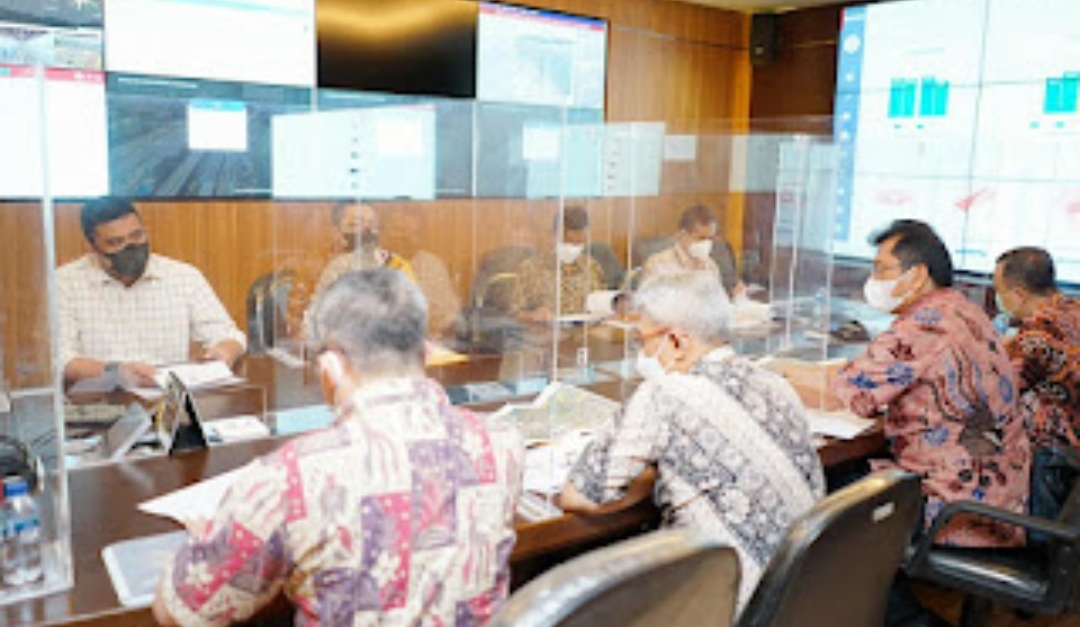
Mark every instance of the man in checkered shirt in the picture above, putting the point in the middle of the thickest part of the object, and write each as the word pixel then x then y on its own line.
pixel 124 310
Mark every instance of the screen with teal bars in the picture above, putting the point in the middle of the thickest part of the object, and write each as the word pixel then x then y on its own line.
pixel 902 96
pixel 933 97
pixel 1061 94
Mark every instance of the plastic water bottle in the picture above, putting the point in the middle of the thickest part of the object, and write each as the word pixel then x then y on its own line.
pixel 22 534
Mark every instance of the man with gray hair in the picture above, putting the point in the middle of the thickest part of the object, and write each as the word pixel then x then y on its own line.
pixel 724 445
pixel 400 512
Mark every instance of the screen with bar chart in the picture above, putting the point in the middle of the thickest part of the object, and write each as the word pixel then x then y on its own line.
pixel 962 113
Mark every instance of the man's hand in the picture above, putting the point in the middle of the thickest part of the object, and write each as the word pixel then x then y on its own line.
pixel 137 374
pixel 227 351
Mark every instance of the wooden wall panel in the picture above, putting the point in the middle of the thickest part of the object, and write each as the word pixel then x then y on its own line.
pixel 682 64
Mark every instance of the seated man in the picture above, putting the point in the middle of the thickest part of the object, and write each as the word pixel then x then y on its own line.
pixel 358 227
pixel 122 309
pixel 729 441
pixel 942 378
pixel 576 273
pixel 401 512
pixel 693 250
pixel 1045 353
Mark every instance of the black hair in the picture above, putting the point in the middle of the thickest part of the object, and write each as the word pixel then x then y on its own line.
pixel 695 215
pixel 574 218
pixel 919 244
pixel 101 210
pixel 1030 268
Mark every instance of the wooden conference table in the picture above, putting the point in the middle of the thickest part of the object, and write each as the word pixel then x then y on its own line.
pixel 104 498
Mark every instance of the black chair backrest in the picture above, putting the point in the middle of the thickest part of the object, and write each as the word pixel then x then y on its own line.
pixel 1063 561
pixel 668 578
pixel 838 561
pixel 267 310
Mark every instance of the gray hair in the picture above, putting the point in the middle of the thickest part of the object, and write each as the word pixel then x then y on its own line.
pixel 692 302
pixel 376 318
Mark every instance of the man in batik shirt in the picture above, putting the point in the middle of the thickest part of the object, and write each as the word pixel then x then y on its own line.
pixel 567 273
pixel 942 378
pixel 728 440
pixel 1045 353
pixel 401 512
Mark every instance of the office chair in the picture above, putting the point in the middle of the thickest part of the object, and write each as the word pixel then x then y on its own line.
pixel 1036 580
pixel 609 262
pixel 857 536
pixel 668 578
pixel 647 247
pixel 268 310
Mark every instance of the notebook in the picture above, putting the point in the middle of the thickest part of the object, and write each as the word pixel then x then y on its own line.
pixel 135 566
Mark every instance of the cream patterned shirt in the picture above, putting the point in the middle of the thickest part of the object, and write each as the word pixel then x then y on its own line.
pixel 675 259
pixel 154 321
pixel 733 454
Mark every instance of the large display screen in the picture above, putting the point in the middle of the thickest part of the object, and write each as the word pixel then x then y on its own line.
pixel 962 113
pixel 172 137
pixel 50 65
pixel 535 57
pixel 255 41
pixel 74 146
pixel 421 47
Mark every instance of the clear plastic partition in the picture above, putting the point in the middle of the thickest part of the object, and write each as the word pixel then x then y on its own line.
pixel 37 559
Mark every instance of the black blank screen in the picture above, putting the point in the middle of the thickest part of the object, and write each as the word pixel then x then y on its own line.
pixel 422 47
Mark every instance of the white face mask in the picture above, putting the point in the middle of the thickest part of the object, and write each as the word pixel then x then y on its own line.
pixel 649 368
pixel 701 249
pixel 568 253
pixel 878 293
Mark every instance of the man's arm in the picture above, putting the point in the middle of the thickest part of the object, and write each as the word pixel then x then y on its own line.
pixel 616 470
pixel 232 566
pixel 874 379
pixel 641 488
pixel 132 373
pixel 212 326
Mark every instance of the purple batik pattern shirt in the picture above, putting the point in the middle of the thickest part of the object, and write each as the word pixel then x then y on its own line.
pixel 401 513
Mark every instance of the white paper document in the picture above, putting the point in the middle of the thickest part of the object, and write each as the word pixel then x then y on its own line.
pixel 195 375
pixel 837 424
pixel 195 502
pixel 547 466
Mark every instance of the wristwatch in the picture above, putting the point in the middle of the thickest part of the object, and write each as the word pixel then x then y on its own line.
pixel 112 373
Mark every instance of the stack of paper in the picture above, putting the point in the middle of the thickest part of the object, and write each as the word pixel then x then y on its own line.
pixel 197 375
pixel 195 502
pixel 837 424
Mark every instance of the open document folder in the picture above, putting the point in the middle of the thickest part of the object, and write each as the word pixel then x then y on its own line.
pixel 195 376
pixel 556 426
pixel 837 424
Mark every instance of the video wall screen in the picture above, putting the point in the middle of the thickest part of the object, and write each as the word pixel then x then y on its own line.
pixel 535 57
pixel 157 99
pixel 251 41
pixel 190 138
pixel 962 113
pixel 52 99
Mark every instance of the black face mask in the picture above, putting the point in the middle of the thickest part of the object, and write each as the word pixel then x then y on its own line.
pixel 367 238
pixel 130 261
